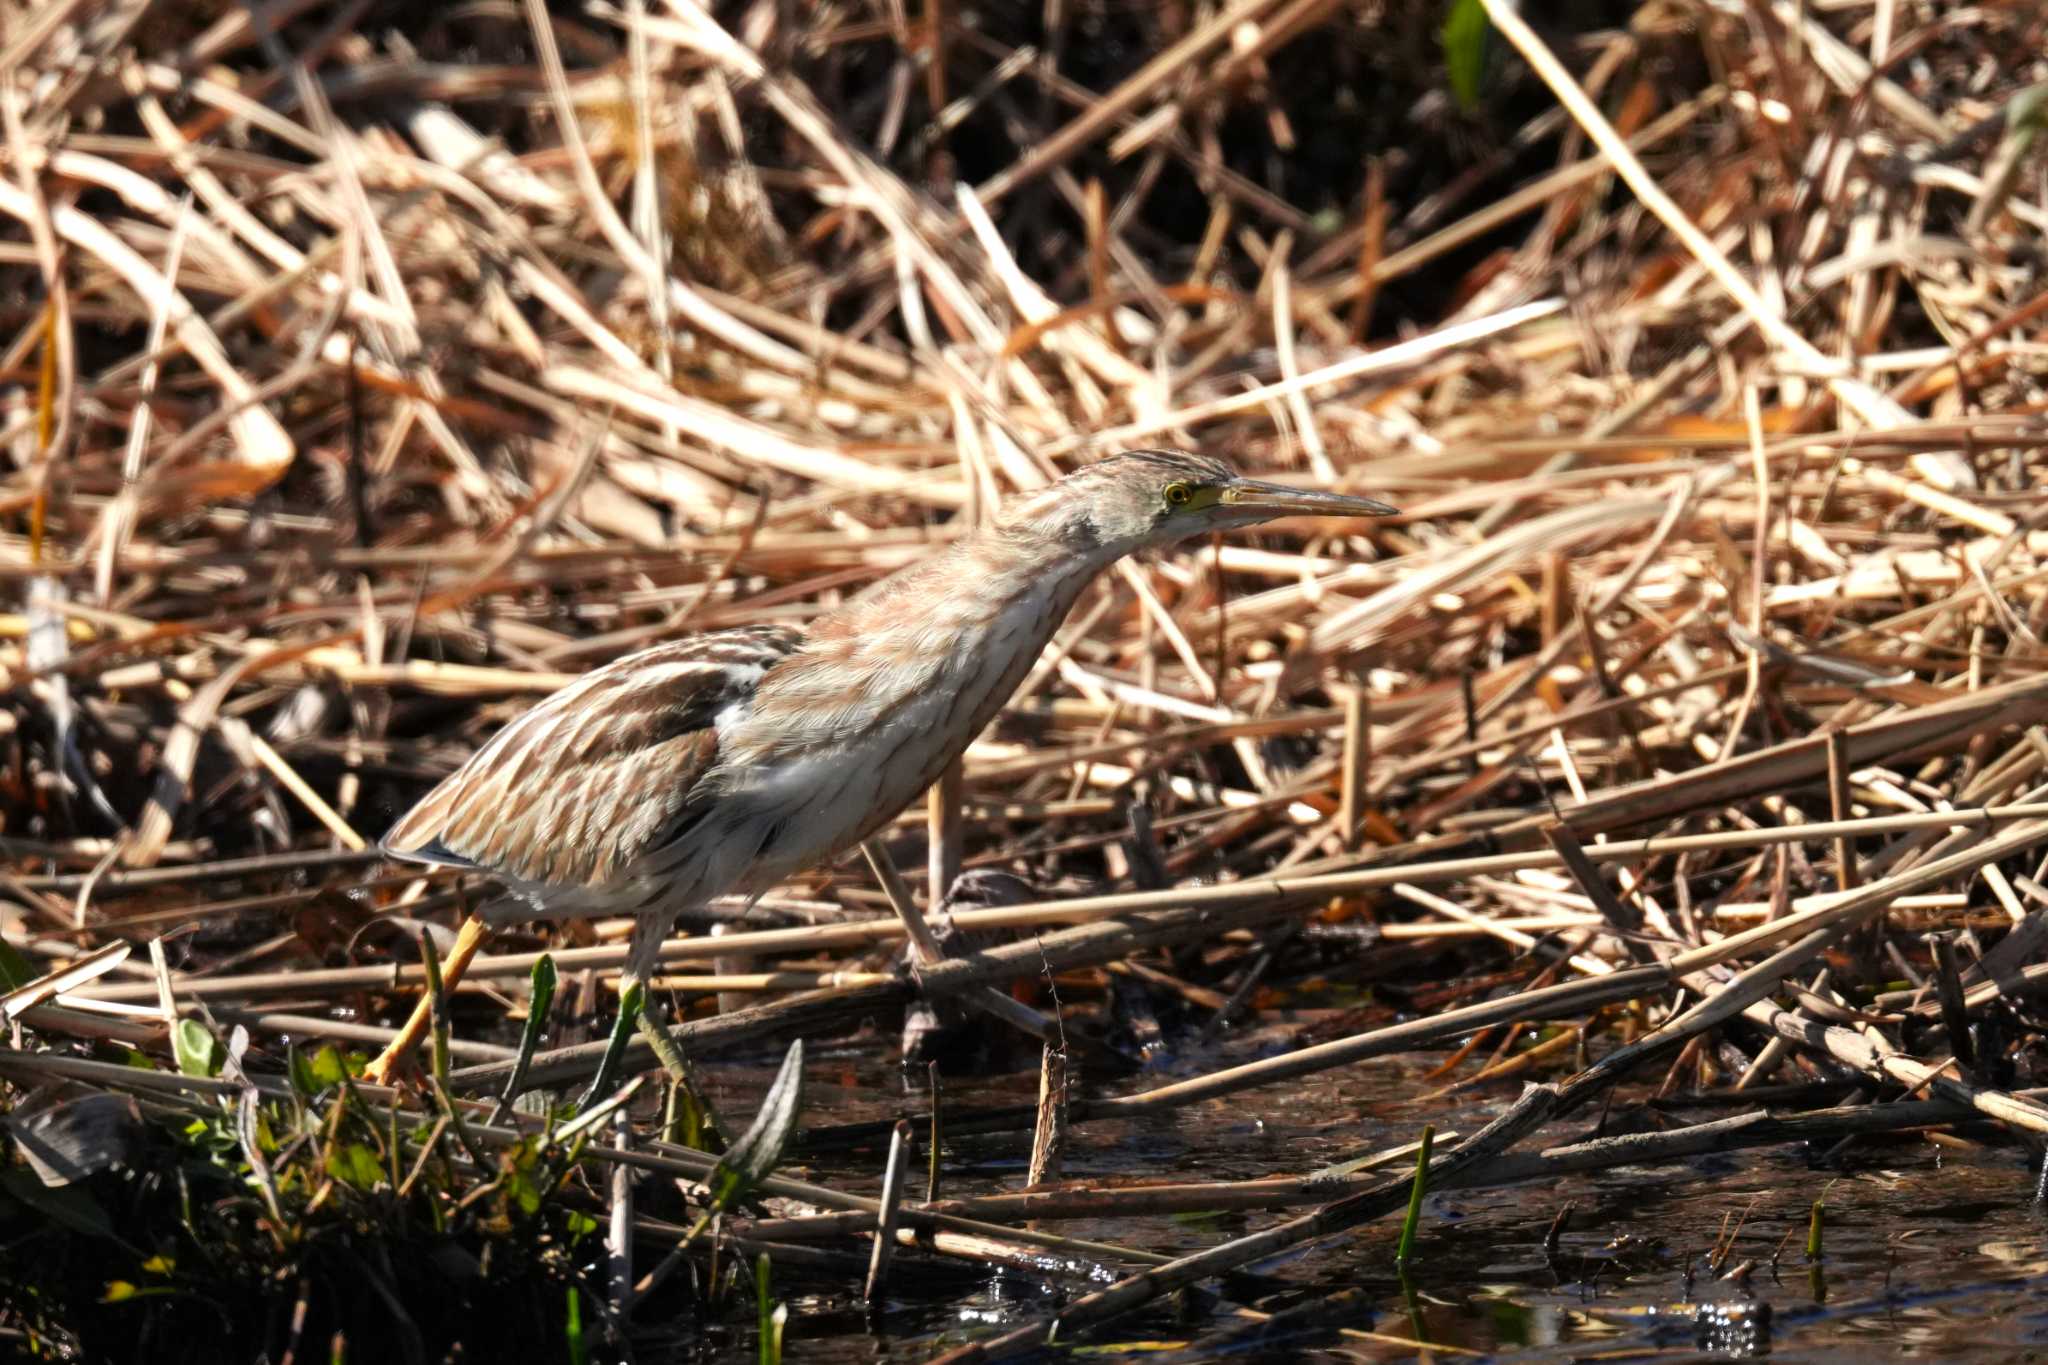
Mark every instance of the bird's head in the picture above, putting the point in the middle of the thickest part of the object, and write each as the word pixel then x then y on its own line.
pixel 1145 499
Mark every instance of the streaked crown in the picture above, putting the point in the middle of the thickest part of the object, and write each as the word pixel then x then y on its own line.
pixel 1144 498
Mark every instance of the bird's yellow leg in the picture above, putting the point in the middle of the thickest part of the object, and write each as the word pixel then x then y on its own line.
pixel 469 940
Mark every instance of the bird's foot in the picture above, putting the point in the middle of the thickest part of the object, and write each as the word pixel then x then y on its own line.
pixel 394 1060
pixel 397 1060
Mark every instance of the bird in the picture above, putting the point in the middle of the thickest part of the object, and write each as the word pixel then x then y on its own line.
pixel 722 763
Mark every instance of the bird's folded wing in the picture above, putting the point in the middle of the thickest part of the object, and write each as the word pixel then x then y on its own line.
pixel 572 793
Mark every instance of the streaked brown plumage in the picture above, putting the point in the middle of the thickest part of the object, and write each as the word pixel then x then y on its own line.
pixel 723 763
pixel 565 798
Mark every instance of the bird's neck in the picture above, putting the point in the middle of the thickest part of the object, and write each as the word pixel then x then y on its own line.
pixel 965 588
pixel 936 648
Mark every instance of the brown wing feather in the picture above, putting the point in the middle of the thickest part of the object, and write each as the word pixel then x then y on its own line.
pixel 572 793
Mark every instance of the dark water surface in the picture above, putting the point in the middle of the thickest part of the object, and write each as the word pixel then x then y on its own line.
pixel 1929 1251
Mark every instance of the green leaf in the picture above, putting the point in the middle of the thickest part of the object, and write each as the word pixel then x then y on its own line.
pixel 749 1160
pixel 1405 1248
pixel 684 1076
pixel 541 983
pixel 696 1126
pixel 327 1068
pixel 579 1225
pixel 317 1072
pixel 1464 39
pixel 755 1154
pixel 579 1350
pixel 523 1190
pixel 523 1155
pixel 2027 114
pixel 198 1052
pixel 522 1186
pixel 355 1164
pixel 437 1000
pixel 615 1046
pixel 14 969
pixel 770 1338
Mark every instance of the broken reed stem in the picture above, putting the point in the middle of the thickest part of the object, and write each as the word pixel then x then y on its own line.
pixel 1357 765
pixel 1049 1131
pixel 931 1182
pixel 901 1143
pixel 618 1242
pixel 1838 805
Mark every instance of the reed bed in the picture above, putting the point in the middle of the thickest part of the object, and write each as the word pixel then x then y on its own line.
pixel 368 372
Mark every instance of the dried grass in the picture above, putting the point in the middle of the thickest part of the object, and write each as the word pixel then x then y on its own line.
pixel 362 378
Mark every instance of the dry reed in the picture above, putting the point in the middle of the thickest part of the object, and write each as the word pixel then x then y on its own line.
pixel 360 384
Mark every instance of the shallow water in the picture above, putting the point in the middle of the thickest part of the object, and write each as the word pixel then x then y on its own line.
pixel 1929 1251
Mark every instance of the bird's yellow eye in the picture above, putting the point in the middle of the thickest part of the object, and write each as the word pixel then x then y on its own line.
pixel 1178 494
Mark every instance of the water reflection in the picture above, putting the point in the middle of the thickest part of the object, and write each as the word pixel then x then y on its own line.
pixel 1928 1252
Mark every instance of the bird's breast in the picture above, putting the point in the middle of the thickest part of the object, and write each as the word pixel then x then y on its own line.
pixel 847 734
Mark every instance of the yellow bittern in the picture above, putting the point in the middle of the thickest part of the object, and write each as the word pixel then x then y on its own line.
pixel 723 763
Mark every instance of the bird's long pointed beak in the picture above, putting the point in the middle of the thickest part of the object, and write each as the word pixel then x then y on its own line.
pixel 1280 500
